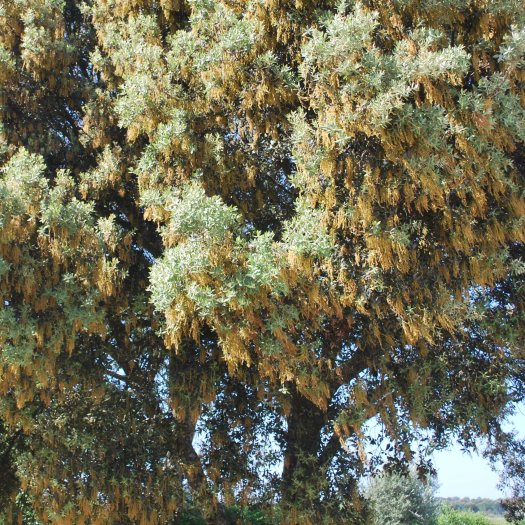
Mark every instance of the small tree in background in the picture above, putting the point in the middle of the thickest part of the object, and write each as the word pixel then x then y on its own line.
pixel 402 499
pixel 512 478
pixel 514 509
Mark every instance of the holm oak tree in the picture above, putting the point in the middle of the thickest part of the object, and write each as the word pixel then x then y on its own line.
pixel 235 233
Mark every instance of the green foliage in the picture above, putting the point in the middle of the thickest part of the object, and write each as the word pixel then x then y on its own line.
pixel 232 515
pixel 305 234
pixel 449 516
pixel 399 499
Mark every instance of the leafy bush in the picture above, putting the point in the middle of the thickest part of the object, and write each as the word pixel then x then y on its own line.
pixel 232 515
pixel 402 499
pixel 453 517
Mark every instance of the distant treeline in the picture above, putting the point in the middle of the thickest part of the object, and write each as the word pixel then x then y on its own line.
pixel 483 505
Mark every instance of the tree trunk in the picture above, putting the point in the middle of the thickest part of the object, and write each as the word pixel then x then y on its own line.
pixel 301 473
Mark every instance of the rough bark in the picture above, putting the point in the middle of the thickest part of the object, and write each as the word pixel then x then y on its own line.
pixel 303 442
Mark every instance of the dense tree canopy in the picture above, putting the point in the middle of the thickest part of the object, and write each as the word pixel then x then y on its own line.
pixel 234 233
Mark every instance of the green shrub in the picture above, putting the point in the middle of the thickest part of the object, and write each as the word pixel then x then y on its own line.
pixel 453 517
pixel 402 499
pixel 232 515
